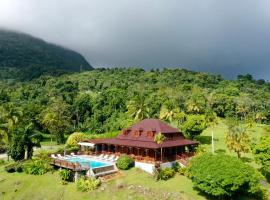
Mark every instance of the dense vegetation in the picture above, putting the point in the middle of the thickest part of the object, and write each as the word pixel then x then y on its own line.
pixel 25 57
pixel 223 176
pixel 110 99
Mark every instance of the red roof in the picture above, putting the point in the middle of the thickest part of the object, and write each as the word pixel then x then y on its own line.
pixel 143 133
pixel 154 125
pixel 143 144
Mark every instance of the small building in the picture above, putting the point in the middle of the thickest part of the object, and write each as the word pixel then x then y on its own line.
pixel 138 141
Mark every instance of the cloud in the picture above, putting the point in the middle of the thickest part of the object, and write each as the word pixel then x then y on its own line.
pixel 227 37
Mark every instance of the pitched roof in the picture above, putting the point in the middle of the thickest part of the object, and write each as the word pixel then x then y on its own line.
pixel 154 125
pixel 143 144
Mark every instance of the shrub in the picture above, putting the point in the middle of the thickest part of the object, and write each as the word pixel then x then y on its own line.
pixel 85 184
pixel 183 171
pixel 14 167
pixel 176 167
pixel 74 138
pixel 72 148
pixel 37 167
pixel 165 174
pixel 65 175
pixel 125 162
pixel 2 162
pixel 223 176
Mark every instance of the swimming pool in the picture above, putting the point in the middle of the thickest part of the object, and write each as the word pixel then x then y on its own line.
pixel 87 162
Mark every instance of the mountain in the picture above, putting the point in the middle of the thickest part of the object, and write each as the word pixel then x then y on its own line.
pixel 27 57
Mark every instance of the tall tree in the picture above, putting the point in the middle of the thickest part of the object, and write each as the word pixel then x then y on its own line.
pixel 57 120
pixel 169 111
pixel 25 137
pixel 138 108
pixel 237 138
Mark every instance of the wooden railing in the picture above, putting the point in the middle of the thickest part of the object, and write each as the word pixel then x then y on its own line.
pixel 68 165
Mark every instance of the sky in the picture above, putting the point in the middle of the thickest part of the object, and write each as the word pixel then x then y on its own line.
pixel 227 37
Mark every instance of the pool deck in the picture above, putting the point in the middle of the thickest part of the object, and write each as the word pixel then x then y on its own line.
pixel 77 167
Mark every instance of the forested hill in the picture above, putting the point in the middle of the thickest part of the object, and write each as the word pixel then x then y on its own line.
pixel 110 99
pixel 28 57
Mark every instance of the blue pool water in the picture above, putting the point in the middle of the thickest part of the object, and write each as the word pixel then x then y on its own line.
pixel 87 162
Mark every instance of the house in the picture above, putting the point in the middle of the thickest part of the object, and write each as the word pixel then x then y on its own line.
pixel 138 141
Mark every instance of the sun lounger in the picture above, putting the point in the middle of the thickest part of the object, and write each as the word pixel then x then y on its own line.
pixel 115 159
pixel 111 158
pixel 100 156
pixel 59 156
pixel 53 156
pixel 105 157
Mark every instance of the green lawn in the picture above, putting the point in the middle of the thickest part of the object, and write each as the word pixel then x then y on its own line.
pixel 133 184
pixel 219 140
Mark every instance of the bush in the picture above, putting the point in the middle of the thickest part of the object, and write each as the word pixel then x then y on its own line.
pixel 223 176
pixel 2 162
pixel 125 162
pixel 37 167
pixel 14 167
pixel 85 185
pixel 74 138
pixel 65 175
pixel 165 174
pixel 176 167
pixel 183 171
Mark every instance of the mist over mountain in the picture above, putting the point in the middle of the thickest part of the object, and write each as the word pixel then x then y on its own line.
pixel 27 57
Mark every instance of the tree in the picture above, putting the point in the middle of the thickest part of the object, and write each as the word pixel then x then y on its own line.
pixel 159 139
pixel 237 138
pixel 57 120
pixel 9 117
pixel 194 125
pixel 169 113
pixel 75 138
pixel 137 108
pixel 261 151
pixel 224 177
pixel 24 138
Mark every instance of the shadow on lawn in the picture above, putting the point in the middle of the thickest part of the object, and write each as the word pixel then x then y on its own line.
pixel 246 160
pixel 220 151
pixel 205 139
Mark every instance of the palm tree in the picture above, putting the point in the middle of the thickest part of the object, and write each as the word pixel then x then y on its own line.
pixel 9 117
pixel 138 108
pixel 32 138
pixel 159 139
pixel 238 140
pixel 169 112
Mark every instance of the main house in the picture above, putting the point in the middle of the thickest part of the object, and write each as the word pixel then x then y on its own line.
pixel 138 141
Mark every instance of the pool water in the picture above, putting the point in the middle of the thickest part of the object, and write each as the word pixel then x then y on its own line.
pixel 87 162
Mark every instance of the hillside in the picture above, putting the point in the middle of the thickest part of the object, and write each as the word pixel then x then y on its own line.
pixel 27 57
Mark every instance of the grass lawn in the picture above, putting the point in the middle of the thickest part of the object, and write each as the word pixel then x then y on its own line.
pixel 132 184
pixel 219 140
